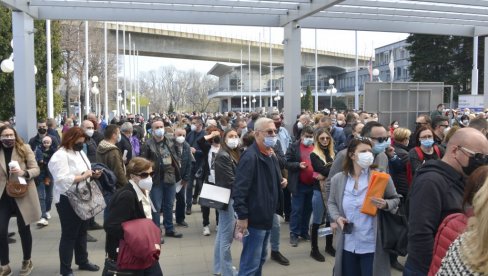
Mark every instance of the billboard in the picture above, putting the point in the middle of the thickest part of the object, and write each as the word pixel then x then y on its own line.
pixel 473 102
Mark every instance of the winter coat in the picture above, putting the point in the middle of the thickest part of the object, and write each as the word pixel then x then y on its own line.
pixel 398 169
pixel 125 145
pixel 111 156
pixel 437 191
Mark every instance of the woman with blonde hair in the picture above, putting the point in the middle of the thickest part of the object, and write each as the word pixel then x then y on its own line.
pixel 468 254
pixel 321 158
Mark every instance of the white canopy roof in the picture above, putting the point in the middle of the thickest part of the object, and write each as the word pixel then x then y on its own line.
pixel 447 17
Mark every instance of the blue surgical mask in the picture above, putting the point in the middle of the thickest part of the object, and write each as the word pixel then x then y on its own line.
pixel 380 147
pixel 427 143
pixel 159 132
pixel 270 141
pixel 307 142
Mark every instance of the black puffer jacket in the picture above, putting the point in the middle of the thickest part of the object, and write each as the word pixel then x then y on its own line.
pixel 398 169
pixel 437 191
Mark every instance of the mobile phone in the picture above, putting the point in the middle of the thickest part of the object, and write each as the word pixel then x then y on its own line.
pixel 348 227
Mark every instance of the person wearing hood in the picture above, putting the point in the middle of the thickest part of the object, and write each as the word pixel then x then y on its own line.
pixel 437 191
pixel 109 154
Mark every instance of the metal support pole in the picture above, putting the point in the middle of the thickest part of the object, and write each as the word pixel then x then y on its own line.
pixel 292 64
pixel 316 76
pixel 87 86
pixel 124 104
pixel 356 85
pixel 474 73
pixel 117 68
pixel 130 76
pixel 240 84
pixel 260 74
pixel 485 76
pixel 249 75
pixel 105 105
pixel 270 74
pixel 49 73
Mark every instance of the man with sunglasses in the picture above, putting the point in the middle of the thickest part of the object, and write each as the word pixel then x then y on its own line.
pixel 257 196
pixel 439 125
pixel 437 191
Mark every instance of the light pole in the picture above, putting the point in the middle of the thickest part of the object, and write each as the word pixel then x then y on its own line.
pixel 331 90
pixel 95 92
pixel 245 101
pixel 376 73
pixel 277 98
pixel 119 99
pixel 7 65
pixel 254 101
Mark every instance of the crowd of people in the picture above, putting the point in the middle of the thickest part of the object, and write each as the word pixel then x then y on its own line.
pixel 315 178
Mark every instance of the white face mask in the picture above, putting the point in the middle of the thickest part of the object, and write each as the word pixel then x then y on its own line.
pixel 180 139
pixel 193 127
pixel 365 159
pixel 89 132
pixel 299 125
pixel 119 137
pixel 232 143
pixel 146 183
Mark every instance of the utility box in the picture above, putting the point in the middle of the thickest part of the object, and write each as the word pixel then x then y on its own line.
pixel 402 101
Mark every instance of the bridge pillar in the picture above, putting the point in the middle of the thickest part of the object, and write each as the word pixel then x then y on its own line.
pixel 292 72
pixel 24 81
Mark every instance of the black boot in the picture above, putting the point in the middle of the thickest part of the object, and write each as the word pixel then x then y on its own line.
pixel 315 253
pixel 328 245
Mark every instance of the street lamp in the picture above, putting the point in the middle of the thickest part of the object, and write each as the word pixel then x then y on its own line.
pixel 254 100
pixel 94 90
pixel 7 65
pixel 376 73
pixel 331 90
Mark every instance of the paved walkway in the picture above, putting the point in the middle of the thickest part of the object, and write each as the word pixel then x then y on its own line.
pixel 191 255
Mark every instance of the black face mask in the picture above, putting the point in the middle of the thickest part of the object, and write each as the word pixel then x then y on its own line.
pixel 473 164
pixel 216 139
pixel 8 143
pixel 42 131
pixel 78 146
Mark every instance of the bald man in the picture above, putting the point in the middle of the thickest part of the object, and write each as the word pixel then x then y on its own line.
pixel 437 191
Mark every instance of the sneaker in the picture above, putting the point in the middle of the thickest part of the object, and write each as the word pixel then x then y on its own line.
pixel 42 222
pixel 48 215
pixel 5 271
pixel 278 257
pixel 26 269
pixel 293 240
pixel 206 231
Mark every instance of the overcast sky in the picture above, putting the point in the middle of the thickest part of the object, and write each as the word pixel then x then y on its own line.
pixel 330 40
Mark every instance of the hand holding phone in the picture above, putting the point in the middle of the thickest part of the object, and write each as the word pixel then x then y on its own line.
pixel 348 226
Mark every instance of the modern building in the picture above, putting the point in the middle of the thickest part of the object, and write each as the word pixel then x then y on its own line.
pixel 232 90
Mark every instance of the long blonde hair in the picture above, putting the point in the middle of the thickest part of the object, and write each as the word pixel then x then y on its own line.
pixel 317 149
pixel 475 246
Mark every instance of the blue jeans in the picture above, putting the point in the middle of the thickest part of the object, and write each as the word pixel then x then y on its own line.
pixel 223 242
pixel 318 207
pixel 274 239
pixel 357 264
pixel 411 271
pixel 301 209
pixel 253 256
pixel 163 195
pixel 45 194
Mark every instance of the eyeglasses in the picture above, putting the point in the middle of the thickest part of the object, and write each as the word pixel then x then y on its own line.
pixel 363 139
pixel 270 132
pixel 478 156
pixel 145 174
pixel 324 138
pixel 380 139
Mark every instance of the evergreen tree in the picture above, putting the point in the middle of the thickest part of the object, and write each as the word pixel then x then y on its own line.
pixel 307 100
pixel 171 109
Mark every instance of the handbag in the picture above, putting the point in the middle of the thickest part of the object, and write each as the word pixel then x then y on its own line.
pixel 213 196
pixel 14 188
pixel 394 230
pixel 86 199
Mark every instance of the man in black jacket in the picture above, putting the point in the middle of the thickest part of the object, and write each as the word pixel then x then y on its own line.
pixel 256 196
pixel 124 144
pixel 437 191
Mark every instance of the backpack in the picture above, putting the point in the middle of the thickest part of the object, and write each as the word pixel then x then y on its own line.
pixel 420 154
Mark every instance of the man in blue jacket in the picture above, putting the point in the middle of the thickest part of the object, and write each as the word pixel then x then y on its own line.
pixel 257 195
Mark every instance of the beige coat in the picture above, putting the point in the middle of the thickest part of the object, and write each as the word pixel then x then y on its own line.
pixel 29 205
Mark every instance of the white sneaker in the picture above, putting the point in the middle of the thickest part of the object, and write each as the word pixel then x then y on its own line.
pixel 48 215
pixel 206 231
pixel 42 222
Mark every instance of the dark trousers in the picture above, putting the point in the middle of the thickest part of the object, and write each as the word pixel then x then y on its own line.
pixel 73 236
pixel 180 205
pixel 287 203
pixel 206 216
pixel 8 207
pixel 357 264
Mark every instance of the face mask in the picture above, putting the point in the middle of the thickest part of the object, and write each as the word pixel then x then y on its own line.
pixel 465 122
pixel 466 113
pixel 78 146
pixel 89 132
pixel 334 122
pixel 340 123
pixel 277 124
pixel 473 164
pixel 146 183
pixel 119 137
pixel 427 143
pixel 8 143
pixel 159 132
pixel 365 159
pixel 47 145
pixel 193 127
pixel 446 130
pixel 380 147
pixel 42 131
pixel 180 139
pixel 232 143
pixel 270 141
pixel 307 142
pixel 299 125
pixel 395 126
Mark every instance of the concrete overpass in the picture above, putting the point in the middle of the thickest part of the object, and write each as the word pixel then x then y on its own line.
pixel 173 44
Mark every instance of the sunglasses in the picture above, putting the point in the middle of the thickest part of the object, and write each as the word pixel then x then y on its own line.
pixel 270 131
pixel 478 156
pixel 324 138
pixel 145 174
pixel 380 139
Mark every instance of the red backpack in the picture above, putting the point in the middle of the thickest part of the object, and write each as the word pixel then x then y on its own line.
pixel 420 154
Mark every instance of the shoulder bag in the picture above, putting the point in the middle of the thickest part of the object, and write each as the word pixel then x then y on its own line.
pixel 14 188
pixel 393 230
pixel 85 198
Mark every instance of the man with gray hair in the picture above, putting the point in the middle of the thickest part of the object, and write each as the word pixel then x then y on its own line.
pixel 124 144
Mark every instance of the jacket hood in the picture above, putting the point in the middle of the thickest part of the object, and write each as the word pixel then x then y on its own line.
pixel 105 147
pixel 441 168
